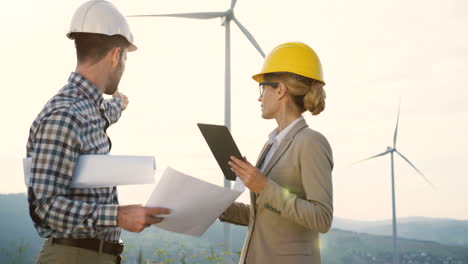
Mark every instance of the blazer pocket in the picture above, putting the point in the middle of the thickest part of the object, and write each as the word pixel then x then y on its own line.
pixel 271 208
pixel 295 248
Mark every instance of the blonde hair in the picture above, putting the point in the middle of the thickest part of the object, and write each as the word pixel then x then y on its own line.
pixel 308 94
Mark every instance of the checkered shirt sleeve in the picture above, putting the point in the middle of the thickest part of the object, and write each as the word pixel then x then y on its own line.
pixel 113 109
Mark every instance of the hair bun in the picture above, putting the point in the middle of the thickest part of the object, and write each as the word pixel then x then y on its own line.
pixel 314 99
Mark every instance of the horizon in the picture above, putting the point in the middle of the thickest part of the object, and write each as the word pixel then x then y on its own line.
pixel 335 217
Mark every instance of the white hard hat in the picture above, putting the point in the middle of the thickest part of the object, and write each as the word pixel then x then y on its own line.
pixel 100 17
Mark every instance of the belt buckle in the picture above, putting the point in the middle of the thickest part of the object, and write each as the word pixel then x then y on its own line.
pixel 120 247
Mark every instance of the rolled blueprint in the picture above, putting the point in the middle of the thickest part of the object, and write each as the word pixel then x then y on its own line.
pixel 95 171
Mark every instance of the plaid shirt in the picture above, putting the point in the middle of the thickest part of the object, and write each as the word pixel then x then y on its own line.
pixel 72 123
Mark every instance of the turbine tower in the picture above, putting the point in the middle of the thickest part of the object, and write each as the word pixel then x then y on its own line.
pixel 226 17
pixel 392 151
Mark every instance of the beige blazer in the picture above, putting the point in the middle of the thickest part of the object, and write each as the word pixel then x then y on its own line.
pixel 297 203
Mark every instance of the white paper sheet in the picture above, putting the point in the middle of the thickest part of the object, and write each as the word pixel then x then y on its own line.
pixel 95 171
pixel 194 204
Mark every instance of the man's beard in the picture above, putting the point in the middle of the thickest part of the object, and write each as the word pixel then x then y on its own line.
pixel 113 85
pixel 114 81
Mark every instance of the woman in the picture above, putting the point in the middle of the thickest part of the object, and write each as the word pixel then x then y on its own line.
pixel 291 184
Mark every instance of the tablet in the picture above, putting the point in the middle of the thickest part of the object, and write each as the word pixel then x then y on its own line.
pixel 222 146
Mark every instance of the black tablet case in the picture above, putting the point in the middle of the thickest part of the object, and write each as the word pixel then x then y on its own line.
pixel 222 146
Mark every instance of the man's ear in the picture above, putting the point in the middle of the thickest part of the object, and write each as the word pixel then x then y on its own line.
pixel 115 54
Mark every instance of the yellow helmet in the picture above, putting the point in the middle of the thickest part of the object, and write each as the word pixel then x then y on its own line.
pixel 293 57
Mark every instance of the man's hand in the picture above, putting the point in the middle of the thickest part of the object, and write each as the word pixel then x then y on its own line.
pixel 135 218
pixel 123 98
pixel 249 174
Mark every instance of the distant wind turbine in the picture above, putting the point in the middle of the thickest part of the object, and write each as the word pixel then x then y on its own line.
pixel 391 151
pixel 226 17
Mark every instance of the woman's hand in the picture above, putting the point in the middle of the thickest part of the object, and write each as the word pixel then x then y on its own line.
pixel 249 174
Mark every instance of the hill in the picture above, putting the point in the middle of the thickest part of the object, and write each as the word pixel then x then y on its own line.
pixel 19 242
pixel 445 231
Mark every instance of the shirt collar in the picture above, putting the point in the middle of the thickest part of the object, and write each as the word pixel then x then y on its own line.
pixel 85 86
pixel 275 138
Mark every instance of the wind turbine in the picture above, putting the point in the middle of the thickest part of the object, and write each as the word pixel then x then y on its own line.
pixel 391 151
pixel 226 17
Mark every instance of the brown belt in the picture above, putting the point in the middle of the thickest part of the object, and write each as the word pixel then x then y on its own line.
pixel 97 245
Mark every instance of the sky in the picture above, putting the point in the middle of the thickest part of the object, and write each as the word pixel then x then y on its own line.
pixel 374 55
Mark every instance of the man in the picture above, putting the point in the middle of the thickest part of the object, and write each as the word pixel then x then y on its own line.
pixel 83 225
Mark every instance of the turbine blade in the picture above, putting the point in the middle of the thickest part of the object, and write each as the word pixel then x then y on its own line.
pixel 199 15
pixel 375 156
pixel 414 167
pixel 249 36
pixel 233 3
pixel 395 134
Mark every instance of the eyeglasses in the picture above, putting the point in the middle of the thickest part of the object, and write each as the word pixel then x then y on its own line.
pixel 261 86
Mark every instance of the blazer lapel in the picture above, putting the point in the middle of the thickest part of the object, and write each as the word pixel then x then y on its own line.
pixel 284 145
pixel 263 154
pixel 261 158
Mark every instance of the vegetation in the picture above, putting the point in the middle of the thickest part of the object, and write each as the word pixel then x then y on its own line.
pixel 19 253
pixel 20 243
